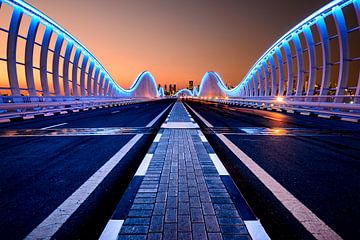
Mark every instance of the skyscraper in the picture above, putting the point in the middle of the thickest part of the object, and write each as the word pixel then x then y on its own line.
pixel 191 85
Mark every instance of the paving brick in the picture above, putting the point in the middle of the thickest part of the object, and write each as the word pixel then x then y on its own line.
pixel 184 224
pixel 211 223
pixel 137 221
pixel 157 223
pixel 199 232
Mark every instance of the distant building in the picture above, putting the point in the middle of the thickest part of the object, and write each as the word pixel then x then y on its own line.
pixel 191 85
pixel 174 88
pixel 170 88
pixel 165 88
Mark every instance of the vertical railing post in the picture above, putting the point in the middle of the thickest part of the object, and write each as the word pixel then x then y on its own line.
pixel 96 78
pixel 273 76
pixel 11 50
pixel 326 65
pixel 43 60
pixel 300 65
pixel 74 71
pixel 290 69
pixel 101 83
pixel 29 50
pixel 267 81
pixel 281 71
pixel 55 65
pixel 256 85
pixel 82 75
pixel 312 61
pixel 344 52
pixel 357 10
pixel 68 51
pixel 105 86
pixel 89 78
pixel 261 81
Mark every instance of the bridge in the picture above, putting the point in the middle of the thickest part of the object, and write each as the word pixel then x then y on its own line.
pixel 276 157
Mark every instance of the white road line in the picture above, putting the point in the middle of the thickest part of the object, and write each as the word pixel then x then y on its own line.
pixel 305 113
pixel 157 138
pixel 144 165
pixel 115 112
pixel 324 116
pixel 111 230
pixel 52 126
pixel 256 230
pixel 218 164
pixel 48 227
pixel 202 137
pixel 305 216
pixel 349 119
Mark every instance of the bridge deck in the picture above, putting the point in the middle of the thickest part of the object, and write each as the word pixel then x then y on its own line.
pixel 182 194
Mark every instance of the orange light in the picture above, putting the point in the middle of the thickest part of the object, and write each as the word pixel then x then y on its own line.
pixel 280 99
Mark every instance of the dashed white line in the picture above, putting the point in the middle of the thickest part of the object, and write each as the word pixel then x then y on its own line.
pixel 157 138
pixel 218 164
pixel 111 230
pixel 115 112
pixel 52 126
pixel 144 165
pixel 256 230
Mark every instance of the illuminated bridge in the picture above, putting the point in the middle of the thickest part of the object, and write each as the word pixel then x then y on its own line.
pixel 275 157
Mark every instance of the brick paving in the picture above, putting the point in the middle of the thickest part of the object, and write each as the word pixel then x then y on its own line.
pixel 182 195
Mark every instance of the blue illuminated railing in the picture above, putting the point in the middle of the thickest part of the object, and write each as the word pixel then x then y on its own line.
pixel 290 67
pixel 82 73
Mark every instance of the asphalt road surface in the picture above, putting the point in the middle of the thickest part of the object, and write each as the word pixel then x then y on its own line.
pixel 316 160
pixel 41 170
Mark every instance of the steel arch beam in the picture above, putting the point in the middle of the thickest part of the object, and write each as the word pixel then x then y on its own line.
pixel 312 60
pixel 29 52
pixel 11 50
pixel 325 47
pixel 43 60
pixel 68 51
pixel 55 65
pixel 74 71
pixel 82 75
pixel 300 65
pixel 281 71
pixel 344 51
pixel 89 78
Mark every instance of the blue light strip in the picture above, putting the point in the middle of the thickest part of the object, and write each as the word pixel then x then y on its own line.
pixel 33 12
pixel 310 20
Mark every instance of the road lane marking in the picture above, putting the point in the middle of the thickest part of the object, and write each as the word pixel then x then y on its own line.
pixel 157 138
pixel 52 126
pixel 144 165
pixel 115 112
pixel 312 223
pixel 218 164
pixel 111 230
pixel 256 230
pixel 50 225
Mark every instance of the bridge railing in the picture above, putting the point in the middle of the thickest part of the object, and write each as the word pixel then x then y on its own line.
pixel 42 60
pixel 317 60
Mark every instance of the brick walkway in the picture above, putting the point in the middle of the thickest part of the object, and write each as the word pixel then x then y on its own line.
pixel 182 195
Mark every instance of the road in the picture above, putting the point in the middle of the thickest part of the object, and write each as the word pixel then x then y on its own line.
pixel 316 160
pixel 41 170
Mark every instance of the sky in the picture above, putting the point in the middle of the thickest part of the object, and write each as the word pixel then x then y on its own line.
pixel 177 40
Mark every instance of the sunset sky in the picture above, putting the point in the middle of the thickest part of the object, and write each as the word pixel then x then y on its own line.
pixel 177 40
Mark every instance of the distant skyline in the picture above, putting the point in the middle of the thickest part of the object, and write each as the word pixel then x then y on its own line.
pixel 177 41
